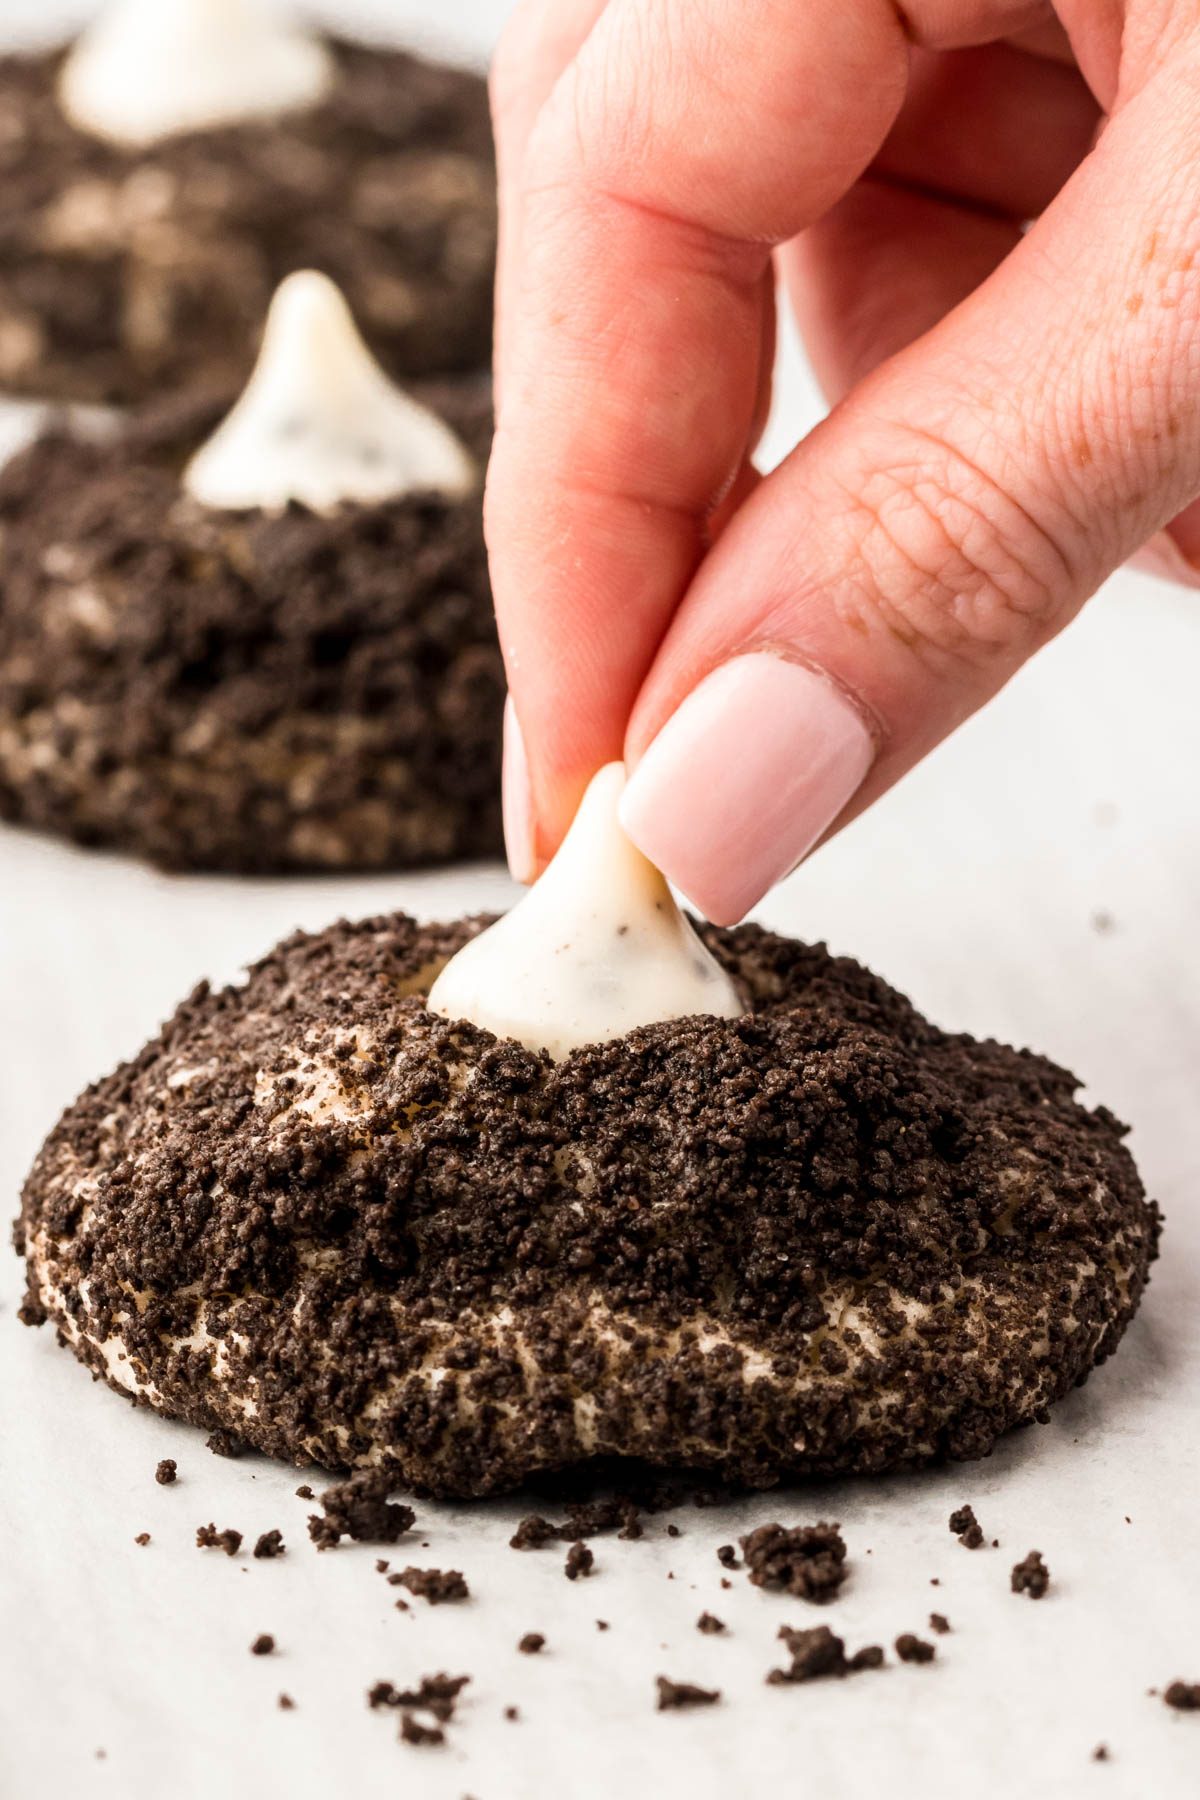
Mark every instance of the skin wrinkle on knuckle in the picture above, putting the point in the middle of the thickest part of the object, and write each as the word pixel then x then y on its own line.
pixel 948 564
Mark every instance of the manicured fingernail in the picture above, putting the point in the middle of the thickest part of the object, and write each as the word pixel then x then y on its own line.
pixel 517 799
pixel 743 779
pixel 1163 557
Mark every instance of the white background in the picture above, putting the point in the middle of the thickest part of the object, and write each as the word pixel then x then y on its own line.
pixel 976 887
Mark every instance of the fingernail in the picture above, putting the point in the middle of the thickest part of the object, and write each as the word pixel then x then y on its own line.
pixel 516 798
pixel 743 779
pixel 1162 556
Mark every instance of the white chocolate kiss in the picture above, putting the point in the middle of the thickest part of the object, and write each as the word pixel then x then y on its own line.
pixel 149 69
pixel 321 423
pixel 596 948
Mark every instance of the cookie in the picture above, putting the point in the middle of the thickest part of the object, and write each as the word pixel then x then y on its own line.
pixel 127 271
pixel 246 691
pixel 821 1238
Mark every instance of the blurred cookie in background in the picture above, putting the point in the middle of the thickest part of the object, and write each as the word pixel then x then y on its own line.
pixel 166 171
pixel 261 639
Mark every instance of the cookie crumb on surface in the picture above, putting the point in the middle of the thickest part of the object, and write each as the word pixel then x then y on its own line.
pixel 727 1556
pixel 358 1508
pixel 413 1732
pixel 305 1493
pixel 675 1694
pixel 434 1585
pixel 966 1528
pixel 263 1644
pixel 709 1624
pixel 808 1560
pixel 601 1624
pixel 819 1651
pixel 1030 1576
pixel 1184 1696
pixel 510 1712
pixel 286 1703
pixel 580 1561
pixel 939 1622
pixel 166 1472
pixel 143 1537
pixel 912 1649
pixel 1101 1753
pixel 209 1538
pixel 531 1643
pixel 270 1544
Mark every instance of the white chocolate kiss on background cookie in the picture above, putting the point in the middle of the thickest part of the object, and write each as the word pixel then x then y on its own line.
pixel 150 69
pixel 597 947
pixel 321 423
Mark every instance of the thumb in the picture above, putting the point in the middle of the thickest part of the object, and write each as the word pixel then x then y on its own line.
pixel 946 520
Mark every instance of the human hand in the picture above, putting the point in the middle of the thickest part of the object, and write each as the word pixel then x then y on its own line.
pixel 1016 412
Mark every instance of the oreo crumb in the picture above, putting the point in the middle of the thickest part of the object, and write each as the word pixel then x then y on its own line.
pixel 531 1643
pixel 725 1582
pixel 912 1649
pixel 1030 1576
pixel 263 1645
pixel 143 1537
pixel 966 1528
pixel 510 1712
pixel 166 1472
pixel 435 1585
pixel 305 1493
pixel 709 1624
pixel 1184 1696
pixel 225 1443
pixel 818 1652
pixel 270 1544
pixel 209 1538
pixel 674 1694
pixel 583 1520
pixel 286 1703
pixel 727 1557
pixel 1101 1753
pixel 939 1622
pixel 436 1694
pixel 673 1531
pixel 580 1561
pixel 532 1532
pixel 413 1732
pixel 808 1560
pixel 358 1508
pixel 601 1624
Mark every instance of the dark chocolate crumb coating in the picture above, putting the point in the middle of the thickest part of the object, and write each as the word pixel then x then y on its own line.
pixel 235 691
pixel 823 1237
pixel 127 273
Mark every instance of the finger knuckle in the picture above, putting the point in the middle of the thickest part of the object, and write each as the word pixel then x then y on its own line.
pixel 945 557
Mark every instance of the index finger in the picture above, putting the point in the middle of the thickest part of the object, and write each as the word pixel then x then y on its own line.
pixel 680 145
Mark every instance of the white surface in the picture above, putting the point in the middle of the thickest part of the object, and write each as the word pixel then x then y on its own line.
pixel 974 887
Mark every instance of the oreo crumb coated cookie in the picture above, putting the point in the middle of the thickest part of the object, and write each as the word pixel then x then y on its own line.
pixel 823 1237
pixel 243 691
pixel 128 272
